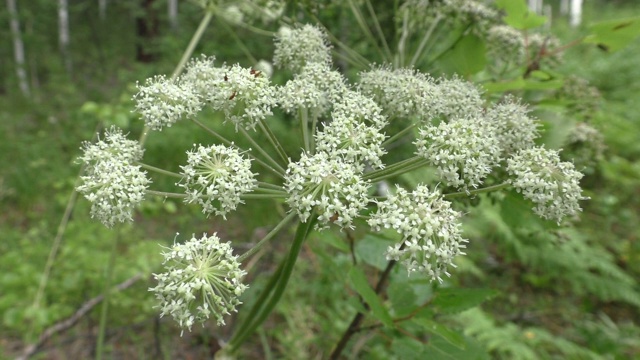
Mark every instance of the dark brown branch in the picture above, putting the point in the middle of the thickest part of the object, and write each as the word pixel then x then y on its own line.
pixel 357 320
pixel 66 324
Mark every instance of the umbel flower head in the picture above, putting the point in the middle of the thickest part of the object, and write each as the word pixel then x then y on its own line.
pixel 202 278
pixel 111 182
pixel 456 98
pixel 162 102
pixel 430 230
pixel 464 151
pixel 551 184
pixel 505 45
pixel 512 125
pixel 215 177
pixel 297 47
pixel 328 184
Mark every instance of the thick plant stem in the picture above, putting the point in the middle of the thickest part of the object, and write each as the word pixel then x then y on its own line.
pixel 278 283
pixel 477 191
pixel 357 320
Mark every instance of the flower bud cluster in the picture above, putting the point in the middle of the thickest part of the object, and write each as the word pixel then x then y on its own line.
pixel 216 177
pixel 552 185
pixel 585 145
pixel 541 48
pixel 162 102
pixel 298 47
pixel 585 99
pixel 331 185
pixel 111 182
pixel 430 230
pixel 512 125
pixel 457 98
pixel 314 89
pixel 243 95
pixel 421 14
pixel 464 151
pixel 355 132
pixel 202 278
pixel 505 45
pixel 251 10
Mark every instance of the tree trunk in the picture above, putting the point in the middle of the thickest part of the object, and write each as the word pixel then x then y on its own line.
pixel 576 13
pixel 102 9
pixel 18 48
pixel 172 9
pixel 147 30
pixel 63 34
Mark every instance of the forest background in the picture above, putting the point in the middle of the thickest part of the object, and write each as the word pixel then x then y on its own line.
pixel 571 294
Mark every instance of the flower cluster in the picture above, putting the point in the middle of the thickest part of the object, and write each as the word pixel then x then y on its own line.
pixel 328 184
pixel 585 99
pixel 456 98
pixel 216 177
pixel 313 90
pixel 541 49
pixel 551 184
pixel 505 45
pixel 202 278
pixel 112 183
pixel 245 96
pixel 354 132
pixel 162 102
pixel 297 47
pixel 265 10
pixel 401 92
pixel 430 230
pixel 585 145
pixel 422 13
pixel 464 150
pixel 512 125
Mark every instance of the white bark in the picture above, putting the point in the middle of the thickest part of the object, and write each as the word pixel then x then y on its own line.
pixel 63 33
pixel 102 9
pixel 18 47
pixel 564 7
pixel 547 11
pixel 172 9
pixel 576 13
pixel 535 6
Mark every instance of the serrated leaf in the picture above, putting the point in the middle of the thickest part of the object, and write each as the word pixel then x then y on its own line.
pixel 454 338
pixel 613 35
pixel 455 300
pixel 519 15
pixel 371 249
pixel 361 286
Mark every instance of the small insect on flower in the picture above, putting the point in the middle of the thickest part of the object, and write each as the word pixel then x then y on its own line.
pixel 255 73
pixel 232 96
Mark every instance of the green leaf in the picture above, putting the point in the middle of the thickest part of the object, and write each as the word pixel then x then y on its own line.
pixel 333 240
pixel 371 250
pixel 433 327
pixel 455 300
pixel 361 286
pixel 613 35
pixel 518 14
pixel 466 57
pixel 403 298
pixel 441 349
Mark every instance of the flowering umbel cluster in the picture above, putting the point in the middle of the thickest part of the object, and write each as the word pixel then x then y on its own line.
pixel 112 182
pixel 430 230
pixel 202 278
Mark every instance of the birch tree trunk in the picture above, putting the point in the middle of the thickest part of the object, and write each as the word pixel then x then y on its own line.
pixel 576 13
pixel 102 9
pixel 63 33
pixel 18 48
pixel 172 9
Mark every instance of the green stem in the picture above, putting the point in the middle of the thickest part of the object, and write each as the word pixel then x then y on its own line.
pixel 378 28
pixel 264 196
pixel 304 124
pixel 274 141
pixel 477 191
pixel 229 143
pixel 160 171
pixel 277 288
pixel 424 41
pixel 267 185
pixel 392 169
pixel 262 151
pixel 166 194
pixel 268 237
pixel 398 135
pixel 365 29
pixel 107 294
pixel 238 41
pixel 186 55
